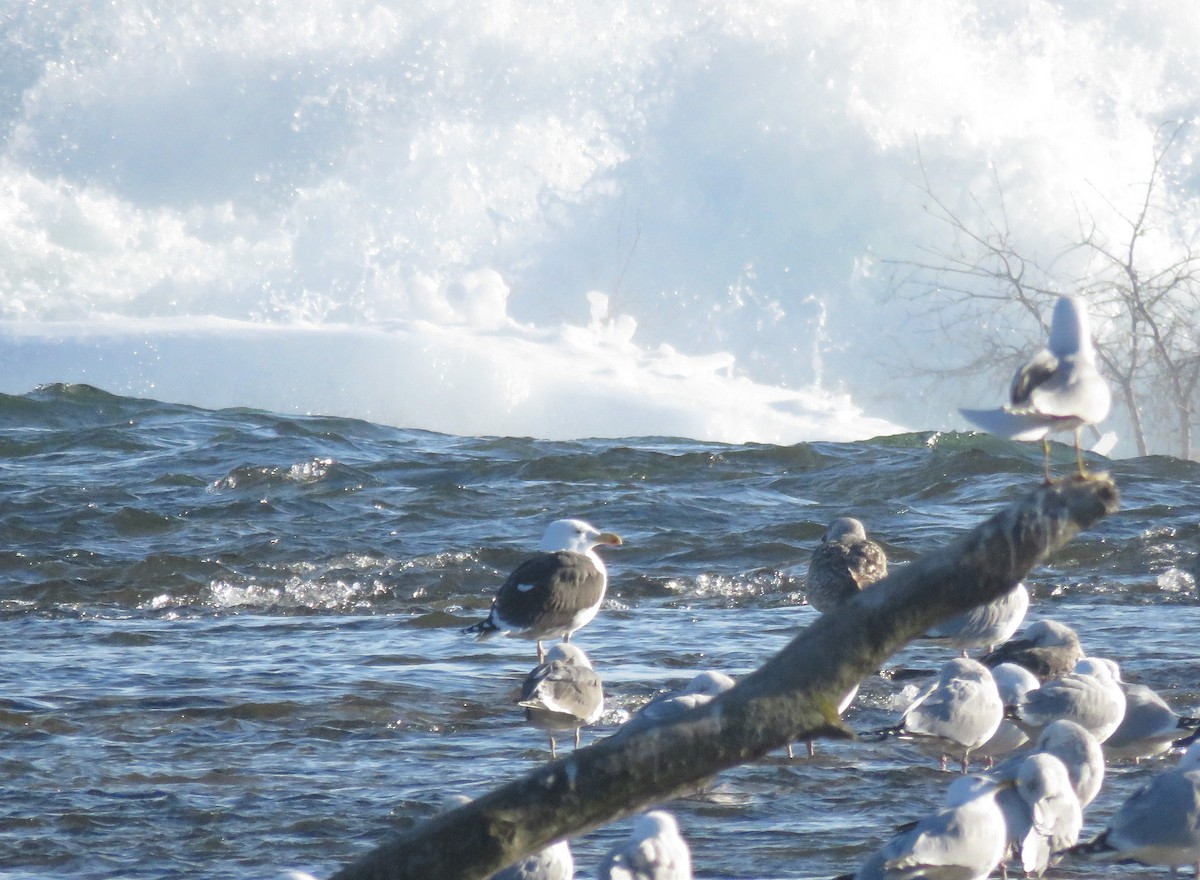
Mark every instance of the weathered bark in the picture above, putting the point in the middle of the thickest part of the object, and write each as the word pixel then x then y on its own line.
pixel 792 697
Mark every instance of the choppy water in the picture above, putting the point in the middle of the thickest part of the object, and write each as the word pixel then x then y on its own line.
pixel 230 640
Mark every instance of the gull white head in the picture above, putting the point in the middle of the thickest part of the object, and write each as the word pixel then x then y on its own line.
pixel 572 655
pixel 656 823
pixel 1013 682
pixel 575 535
pixel 963 669
pixel 709 684
pixel 965 789
pixel 1099 667
pixel 842 527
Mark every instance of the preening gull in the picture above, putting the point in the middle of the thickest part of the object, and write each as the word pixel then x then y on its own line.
pixel 843 563
pixel 654 851
pixel 1047 649
pixel 985 626
pixel 965 839
pixel 1091 698
pixel 1159 824
pixel 1042 812
pixel 957 714
pixel 1080 754
pixel 552 863
pixel 555 592
pixel 562 693
pixel 1058 389
pixel 667 707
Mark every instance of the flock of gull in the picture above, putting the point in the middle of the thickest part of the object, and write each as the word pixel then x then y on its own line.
pixel 1038 713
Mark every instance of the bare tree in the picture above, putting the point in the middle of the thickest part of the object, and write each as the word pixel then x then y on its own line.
pixel 1146 301
pixel 793 696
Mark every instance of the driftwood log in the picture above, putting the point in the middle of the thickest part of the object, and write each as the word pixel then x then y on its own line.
pixel 792 697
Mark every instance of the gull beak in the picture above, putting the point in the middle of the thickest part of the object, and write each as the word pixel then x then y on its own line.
pixel 609 538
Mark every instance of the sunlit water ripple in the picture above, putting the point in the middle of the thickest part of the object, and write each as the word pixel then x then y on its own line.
pixel 231 639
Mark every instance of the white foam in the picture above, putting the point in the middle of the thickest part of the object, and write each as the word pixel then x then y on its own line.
pixel 474 194
pixel 427 376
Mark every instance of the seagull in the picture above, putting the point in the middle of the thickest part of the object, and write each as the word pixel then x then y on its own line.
pixel 1090 697
pixel 1058 389
pixel 1150 726
pixel 555 592
pixel 552 863
pixel 1079 752
pixel 1012 682
pixel 842 564
pixel 667 707
pixel 1042 812
pixel 654 851
pixel 957 714
pixel 1159 824
pixel 1075 747
pixel 965 839
pixel 562 693
pixel 1047 649
pixel 985 626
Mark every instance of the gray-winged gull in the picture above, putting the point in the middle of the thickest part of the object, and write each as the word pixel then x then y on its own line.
pixel 1058 389
pixel 1159 824
pixel 1042 812
pixel 965 839
pixel 843 563
pixel 1150 726
pixel 1047 648
pixel 1090 697
pixel 562 693
pixel 955 715
pixel 1012 682
pixel 654 850
pixel 1080 754
pixel 666 707
pixel 984 626
pixel 555 592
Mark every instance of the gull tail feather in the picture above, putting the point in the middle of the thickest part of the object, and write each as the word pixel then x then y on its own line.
pixel 1192 737
pixel 896 731
pixel 485 629
pixel 1097 847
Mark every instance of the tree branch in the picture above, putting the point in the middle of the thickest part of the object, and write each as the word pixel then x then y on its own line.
pixel 793 696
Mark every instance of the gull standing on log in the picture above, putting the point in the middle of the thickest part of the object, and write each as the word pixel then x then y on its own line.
pixel 1058 389
pixel 844 562
pixel 555 592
